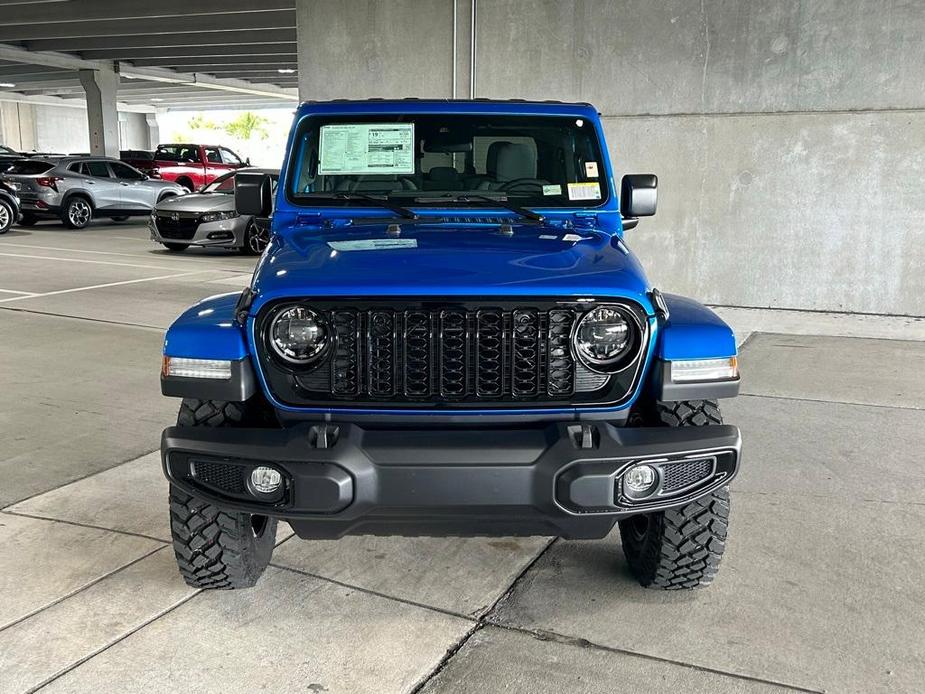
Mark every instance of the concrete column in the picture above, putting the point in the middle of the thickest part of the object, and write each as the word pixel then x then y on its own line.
pixel 464 12
pixel 101 87
pixel 154 130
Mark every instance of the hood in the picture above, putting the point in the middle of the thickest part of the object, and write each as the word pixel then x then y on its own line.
pixel 197 202
pixel 444 260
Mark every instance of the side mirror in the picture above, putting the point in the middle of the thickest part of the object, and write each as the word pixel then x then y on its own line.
pixel 247 162
pixel 638 198
pixel 253 194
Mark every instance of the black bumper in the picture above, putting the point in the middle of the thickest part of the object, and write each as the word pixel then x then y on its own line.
pixel 559 479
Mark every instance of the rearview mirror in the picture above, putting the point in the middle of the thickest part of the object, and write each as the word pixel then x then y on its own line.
pixel 253 194
pixel 638 198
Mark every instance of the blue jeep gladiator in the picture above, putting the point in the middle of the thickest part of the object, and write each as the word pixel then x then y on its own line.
pixel 448 335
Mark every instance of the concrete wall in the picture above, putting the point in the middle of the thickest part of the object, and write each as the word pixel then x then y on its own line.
pixel 62 129
pixel 789 137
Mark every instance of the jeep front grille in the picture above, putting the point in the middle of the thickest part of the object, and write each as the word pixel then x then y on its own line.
pixel 432 354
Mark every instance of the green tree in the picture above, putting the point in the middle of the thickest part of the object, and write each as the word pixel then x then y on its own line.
pixel 247 125
pixel 200 122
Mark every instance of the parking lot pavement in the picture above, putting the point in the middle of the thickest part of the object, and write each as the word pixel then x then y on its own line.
pixel 821 588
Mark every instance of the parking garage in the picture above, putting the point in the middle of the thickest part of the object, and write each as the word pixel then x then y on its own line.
pixel 789 204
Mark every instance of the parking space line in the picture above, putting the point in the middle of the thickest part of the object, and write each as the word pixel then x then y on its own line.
pixel 13 291
pixel 69 250
pixel 103 286
pixel 84 260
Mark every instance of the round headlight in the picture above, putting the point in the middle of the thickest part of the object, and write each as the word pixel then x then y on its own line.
pixel 298 335
pixel 603 336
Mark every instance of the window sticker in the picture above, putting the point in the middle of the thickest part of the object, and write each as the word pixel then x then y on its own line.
pixel 591 169
pixel 552 190
pixel 584 191
pixel 372 244
pixel 367 148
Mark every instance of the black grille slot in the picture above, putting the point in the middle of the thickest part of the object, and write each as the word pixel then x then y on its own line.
pixel 182 228
pixel 677 476
pixel 410 353
pixel 228 478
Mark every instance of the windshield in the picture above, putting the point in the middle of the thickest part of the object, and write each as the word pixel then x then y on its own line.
pixel 539 161
pixel 29 167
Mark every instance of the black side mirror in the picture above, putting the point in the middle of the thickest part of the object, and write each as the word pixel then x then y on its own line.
pixel 638 198
pixel 247 162
pixel 253 194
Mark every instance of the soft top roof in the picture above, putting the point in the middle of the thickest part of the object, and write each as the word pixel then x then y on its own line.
pixel 391 106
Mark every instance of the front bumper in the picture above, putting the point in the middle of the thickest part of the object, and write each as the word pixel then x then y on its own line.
pixel 224 233
pixel 558 479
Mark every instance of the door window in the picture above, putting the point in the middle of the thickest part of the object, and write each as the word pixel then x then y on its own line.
pixel 97 169
pixel 230 157
pixel 125 172
pixel 213 156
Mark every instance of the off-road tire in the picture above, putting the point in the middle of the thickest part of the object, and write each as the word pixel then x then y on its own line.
pixel 215 548
pixel 176 247
pixel 679 548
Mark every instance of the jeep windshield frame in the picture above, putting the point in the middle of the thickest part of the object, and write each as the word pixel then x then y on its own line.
pixel 451 159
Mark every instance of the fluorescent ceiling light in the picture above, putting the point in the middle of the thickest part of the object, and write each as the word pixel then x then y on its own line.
pixel 285 70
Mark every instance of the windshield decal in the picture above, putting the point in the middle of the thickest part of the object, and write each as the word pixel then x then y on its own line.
pixel 552 189
pixel 584 191
pixel 367 148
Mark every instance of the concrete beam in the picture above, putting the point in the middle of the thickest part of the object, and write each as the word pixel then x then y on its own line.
pixel 14 54
pixel 154 130
pixel 167 40
pixel 101 87
pixel 192 63
pixel 137 55
pixel 273 19
pixel 121 10
pixel 19 97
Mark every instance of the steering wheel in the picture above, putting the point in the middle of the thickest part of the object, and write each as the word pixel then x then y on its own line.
pixel 515 183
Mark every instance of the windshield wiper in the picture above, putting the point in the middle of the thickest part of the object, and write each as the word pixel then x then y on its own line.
pixel 501 201
pixel 380 202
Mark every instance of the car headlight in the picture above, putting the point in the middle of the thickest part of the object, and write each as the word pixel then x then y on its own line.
pixel 298 335
pixel 604 337
pixel 217 216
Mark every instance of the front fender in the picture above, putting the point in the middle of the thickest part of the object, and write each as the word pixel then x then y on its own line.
pixel 692 332
pixel 208 330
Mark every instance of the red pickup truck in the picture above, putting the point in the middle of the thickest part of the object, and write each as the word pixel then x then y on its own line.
pixel 192 166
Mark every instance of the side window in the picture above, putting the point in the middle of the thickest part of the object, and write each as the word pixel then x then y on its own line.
pixel 230 157
pixel 97 169
pixel 126 172
pixel 189 154
pixel 213 156
pixel 76 167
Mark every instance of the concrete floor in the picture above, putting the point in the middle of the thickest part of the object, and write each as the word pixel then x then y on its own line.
pixel 821 589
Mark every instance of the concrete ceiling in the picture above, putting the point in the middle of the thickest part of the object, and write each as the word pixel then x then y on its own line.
pixel 172 54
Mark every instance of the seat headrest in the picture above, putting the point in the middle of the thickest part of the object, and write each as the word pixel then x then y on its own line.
pixel 491 158
pixel 515 161
pixel 443 173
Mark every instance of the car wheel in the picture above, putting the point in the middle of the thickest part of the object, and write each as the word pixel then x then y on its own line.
pixel 28 220
pixel 187 184
pixel 680 548
pixel 214 547
pixel 77 213
pixel 120 218
pixel 176 247
pixel 6 216
pixel 256 239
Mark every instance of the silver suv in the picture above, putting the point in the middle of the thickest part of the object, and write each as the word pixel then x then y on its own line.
pixel 76 189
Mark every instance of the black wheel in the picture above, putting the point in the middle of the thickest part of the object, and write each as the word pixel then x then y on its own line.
pixel 27 220
pixel 77 213
pixel 120 218
pixel 7 216
pixel 176 247
pixel 216 548
pixel 256 239
pixel 186 183
pixel 680 548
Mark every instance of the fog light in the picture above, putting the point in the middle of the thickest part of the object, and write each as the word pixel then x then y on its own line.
pixel 640 481
pixel 266 480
